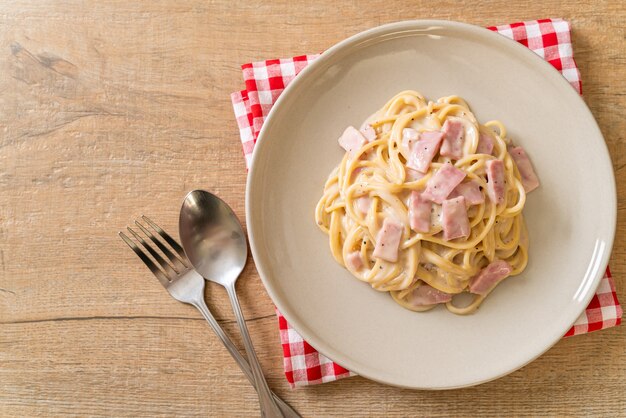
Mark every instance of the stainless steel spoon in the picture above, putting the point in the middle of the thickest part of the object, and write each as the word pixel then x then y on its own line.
pixel 215 244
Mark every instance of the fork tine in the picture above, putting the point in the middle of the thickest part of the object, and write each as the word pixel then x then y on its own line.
pixel 164 264
pixel 171 241
pixel 153 267
pixel 170 255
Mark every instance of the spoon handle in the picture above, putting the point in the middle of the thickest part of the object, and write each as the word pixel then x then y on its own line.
pixel 269 408
pixel 287 410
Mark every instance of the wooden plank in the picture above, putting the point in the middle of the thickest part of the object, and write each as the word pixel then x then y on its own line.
pixel 152 366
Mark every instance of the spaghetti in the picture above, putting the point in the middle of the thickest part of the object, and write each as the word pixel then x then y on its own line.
pixel 427 203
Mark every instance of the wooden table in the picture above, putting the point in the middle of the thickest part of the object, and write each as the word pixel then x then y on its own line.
pixel 113 109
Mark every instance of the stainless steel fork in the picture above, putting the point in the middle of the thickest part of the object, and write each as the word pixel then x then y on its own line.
pixel 185 285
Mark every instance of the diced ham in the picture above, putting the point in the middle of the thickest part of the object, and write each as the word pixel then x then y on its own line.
pixel 470 191
pixel 352 140
pixel 419 212
pixel 453 138
pixel 354 261
pixel 454 219
pixel 363 204
pixel 409 137
pixel 368 132
pixel 413 175
pixel 485 144
pixel 425 295
pixel 388 240
pixel 440 185
pixel 529 178
pixel 495 181
pixel 490 276
pixel 424 150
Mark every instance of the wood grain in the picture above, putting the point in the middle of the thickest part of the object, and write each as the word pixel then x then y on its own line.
pixel 113 109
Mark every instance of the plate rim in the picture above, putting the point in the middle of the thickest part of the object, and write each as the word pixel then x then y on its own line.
pixel 353 42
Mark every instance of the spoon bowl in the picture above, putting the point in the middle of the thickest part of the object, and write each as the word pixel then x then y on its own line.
pixel 212 237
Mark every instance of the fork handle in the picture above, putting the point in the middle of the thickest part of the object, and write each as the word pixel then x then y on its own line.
pixel 287 410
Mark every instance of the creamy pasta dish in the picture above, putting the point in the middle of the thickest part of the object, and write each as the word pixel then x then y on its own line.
pixel 427 203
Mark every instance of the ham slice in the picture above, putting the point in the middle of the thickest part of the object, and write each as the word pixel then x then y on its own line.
pixel 485 144
pixel 453 138
pixel 352 140
pixel 495 181
pixel 470 191
pixel 425 295
pixel 424 150
pixel 439 186
pixel 454 219
pixel 419 212
pixel 363 204
pixel 413 175
pixel 388 240
pixel 354 261
pixel 525 168
pixel 489 277
pixel 368 132
pixel 409 137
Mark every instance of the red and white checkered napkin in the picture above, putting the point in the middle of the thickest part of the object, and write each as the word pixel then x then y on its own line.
pixel 265 81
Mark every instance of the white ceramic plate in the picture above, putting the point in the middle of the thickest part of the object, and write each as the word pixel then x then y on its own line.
pixel 571 217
